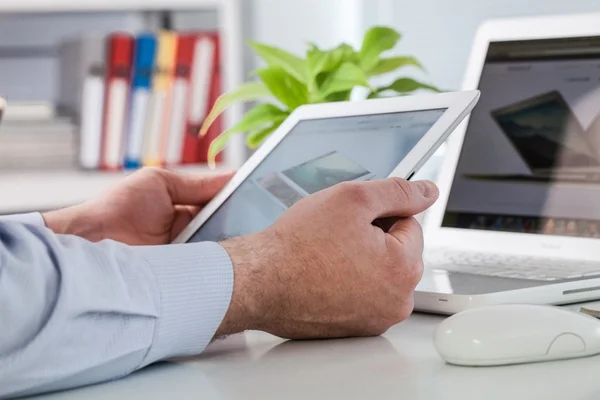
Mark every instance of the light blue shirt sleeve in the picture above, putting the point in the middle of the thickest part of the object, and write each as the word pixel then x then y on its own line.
pixel 73 313
pixel 33 218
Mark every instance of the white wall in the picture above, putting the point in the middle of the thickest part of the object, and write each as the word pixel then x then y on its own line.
pixel 290 24
pixel 440 32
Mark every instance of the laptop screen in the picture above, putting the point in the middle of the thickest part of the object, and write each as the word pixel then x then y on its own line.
pixel 530 160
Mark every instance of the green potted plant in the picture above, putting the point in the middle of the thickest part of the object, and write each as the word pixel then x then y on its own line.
pixel 289 81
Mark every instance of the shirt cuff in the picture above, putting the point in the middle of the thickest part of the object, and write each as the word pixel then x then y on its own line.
pixel 33 218
pixel 195 284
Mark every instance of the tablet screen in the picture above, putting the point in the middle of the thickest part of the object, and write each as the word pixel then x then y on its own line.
pixel 315 155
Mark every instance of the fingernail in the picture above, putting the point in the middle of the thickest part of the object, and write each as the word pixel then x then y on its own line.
pixel 427 188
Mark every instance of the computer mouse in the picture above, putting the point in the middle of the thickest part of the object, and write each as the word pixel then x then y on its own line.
pixel 516 334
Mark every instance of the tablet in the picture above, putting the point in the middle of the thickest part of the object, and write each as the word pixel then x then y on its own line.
pixel 321 145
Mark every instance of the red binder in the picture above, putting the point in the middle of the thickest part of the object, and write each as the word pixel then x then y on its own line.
pixel 215 91
pixel 180 99
pixel 118 76
pixel 204 85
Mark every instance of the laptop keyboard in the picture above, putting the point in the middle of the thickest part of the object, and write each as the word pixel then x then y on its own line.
pixel 506 266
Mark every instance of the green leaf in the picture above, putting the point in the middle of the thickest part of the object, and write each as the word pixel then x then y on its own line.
pixel 246 92
pixel 346 77
pixel 377 40
pixel 216 146
pixel 386 65
pixel 284 86
pixel 275 57
pixel 318 61
pixel 254 139
pixel 260 115
pixel 339 96
pixel 348 53
pixel 407 85
pixel 256 118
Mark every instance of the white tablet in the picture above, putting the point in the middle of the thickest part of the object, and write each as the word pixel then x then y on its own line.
pixel 321 145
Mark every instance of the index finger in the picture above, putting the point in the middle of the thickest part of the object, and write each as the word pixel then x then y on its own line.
pixel 408 232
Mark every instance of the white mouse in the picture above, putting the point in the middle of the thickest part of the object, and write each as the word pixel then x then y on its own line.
pixel 515 334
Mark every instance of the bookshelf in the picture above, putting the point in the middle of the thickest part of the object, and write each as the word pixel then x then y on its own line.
pixel 22 191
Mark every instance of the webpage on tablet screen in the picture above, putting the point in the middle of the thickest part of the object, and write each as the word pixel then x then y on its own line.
pixel 315 155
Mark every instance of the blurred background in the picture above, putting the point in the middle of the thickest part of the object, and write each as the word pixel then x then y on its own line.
pixel 55 61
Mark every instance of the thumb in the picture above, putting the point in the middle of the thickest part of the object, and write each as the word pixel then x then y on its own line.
pixel 192 189
pixel 395 197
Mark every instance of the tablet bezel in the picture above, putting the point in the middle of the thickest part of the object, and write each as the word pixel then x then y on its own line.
pixel 457 105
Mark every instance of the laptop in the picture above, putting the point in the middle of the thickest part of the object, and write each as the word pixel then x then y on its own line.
pixel 518 218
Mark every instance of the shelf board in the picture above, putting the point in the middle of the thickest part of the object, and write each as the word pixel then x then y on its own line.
pixel 103 5
pixel 40 191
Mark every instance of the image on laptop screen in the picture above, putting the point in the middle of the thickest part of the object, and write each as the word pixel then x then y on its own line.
pixel 545 132
pixel 530 160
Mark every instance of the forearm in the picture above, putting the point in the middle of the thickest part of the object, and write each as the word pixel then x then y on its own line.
pixel 77 313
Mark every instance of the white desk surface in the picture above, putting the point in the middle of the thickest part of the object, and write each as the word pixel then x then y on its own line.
pixel 402 364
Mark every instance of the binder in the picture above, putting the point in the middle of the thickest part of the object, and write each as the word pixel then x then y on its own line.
pixel 140 96
pixel 203 68
pixel 92 107
pixel 214 92
pixel 157 120
pixel 118 76
pixel 180 98
pixel 90 96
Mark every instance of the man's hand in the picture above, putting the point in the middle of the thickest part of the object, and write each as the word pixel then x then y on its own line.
pixel 342 262
pixel 148 207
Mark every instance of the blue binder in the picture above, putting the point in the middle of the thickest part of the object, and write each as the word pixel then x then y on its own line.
pixel 145 50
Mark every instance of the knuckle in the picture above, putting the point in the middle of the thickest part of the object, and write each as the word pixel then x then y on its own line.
pixel 404 190
pixel 412 273
pixel 404 306
pixel 397 317
pixel 379 325
pixel 379 329
pixel 152 171
pixel 404 311
pixel 416 273
pixel 355 193
pixel 407 308
pixel 413 227
pixel 416 226
pixel 406 271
